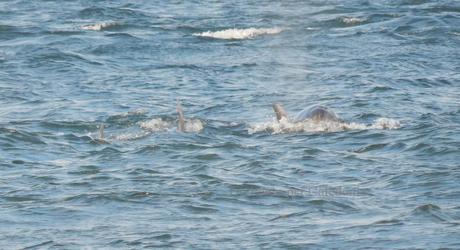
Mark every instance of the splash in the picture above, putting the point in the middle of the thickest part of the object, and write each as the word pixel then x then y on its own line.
pixel 352 20
pixel 234 34
pixel 310 126
pixel 131 136
pixel 158 125
pixel 98 26
pixel 385 123
pixel 193 126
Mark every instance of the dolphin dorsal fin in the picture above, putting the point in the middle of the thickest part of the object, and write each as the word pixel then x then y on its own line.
pixel 101 131
pixel 180 117
pixel 279 111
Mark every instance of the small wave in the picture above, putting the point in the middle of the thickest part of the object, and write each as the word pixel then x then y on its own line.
pixel 285 126
pixel 12 135
pixel 352 20
pixel 236 34
pixel 60 162
pixel 158 125
pixel 430 212
pixel 99 26
pixel 39 245
pixel 127 118
pixel 134 112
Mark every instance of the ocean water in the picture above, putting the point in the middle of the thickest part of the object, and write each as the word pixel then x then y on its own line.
pixel 387 176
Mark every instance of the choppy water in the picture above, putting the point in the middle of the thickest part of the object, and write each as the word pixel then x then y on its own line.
pixel 388 177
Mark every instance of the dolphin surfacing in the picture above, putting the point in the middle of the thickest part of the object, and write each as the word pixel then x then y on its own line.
pixel 315 113
pixel 180 118
pixel 101 138
pixel 279 111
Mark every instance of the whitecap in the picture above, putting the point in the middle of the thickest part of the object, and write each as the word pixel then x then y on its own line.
pixel 98 26
pixel 310 126
pixel 248 33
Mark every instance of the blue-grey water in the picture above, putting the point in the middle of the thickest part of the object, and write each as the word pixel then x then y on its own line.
pixel 388 177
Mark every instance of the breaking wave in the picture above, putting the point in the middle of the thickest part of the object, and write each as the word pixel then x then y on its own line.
pixel 236 34
pixel 285 126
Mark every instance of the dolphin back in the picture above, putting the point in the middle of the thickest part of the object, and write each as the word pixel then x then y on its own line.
pixel 316 113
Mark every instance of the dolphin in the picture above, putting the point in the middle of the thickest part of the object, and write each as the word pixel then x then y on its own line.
pixel 101 131
pixel 315 113
pixel 180 118
pixel 180 125
pixel 101 138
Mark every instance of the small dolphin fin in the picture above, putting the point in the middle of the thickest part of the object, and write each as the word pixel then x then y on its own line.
pixel 101 134
pixel 279 111
pixel 101 131
pixel 180 117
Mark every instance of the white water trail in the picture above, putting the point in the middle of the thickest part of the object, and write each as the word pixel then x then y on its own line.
pixel 310 126
pixel 239 34
pixel 98 26
pixel 352 20
pixel 158 125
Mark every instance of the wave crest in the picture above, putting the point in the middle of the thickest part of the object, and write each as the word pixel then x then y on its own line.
pixel 238 34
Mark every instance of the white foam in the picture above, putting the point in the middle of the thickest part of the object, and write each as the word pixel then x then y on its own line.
pixel 385 123
pixel 352 20
pixel 98 26
pixel 193 126
pixel 158 125
pixel 239 33
pixel 310 126
pixel 131 136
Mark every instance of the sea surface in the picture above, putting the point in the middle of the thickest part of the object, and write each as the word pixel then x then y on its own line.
pixel 386 176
